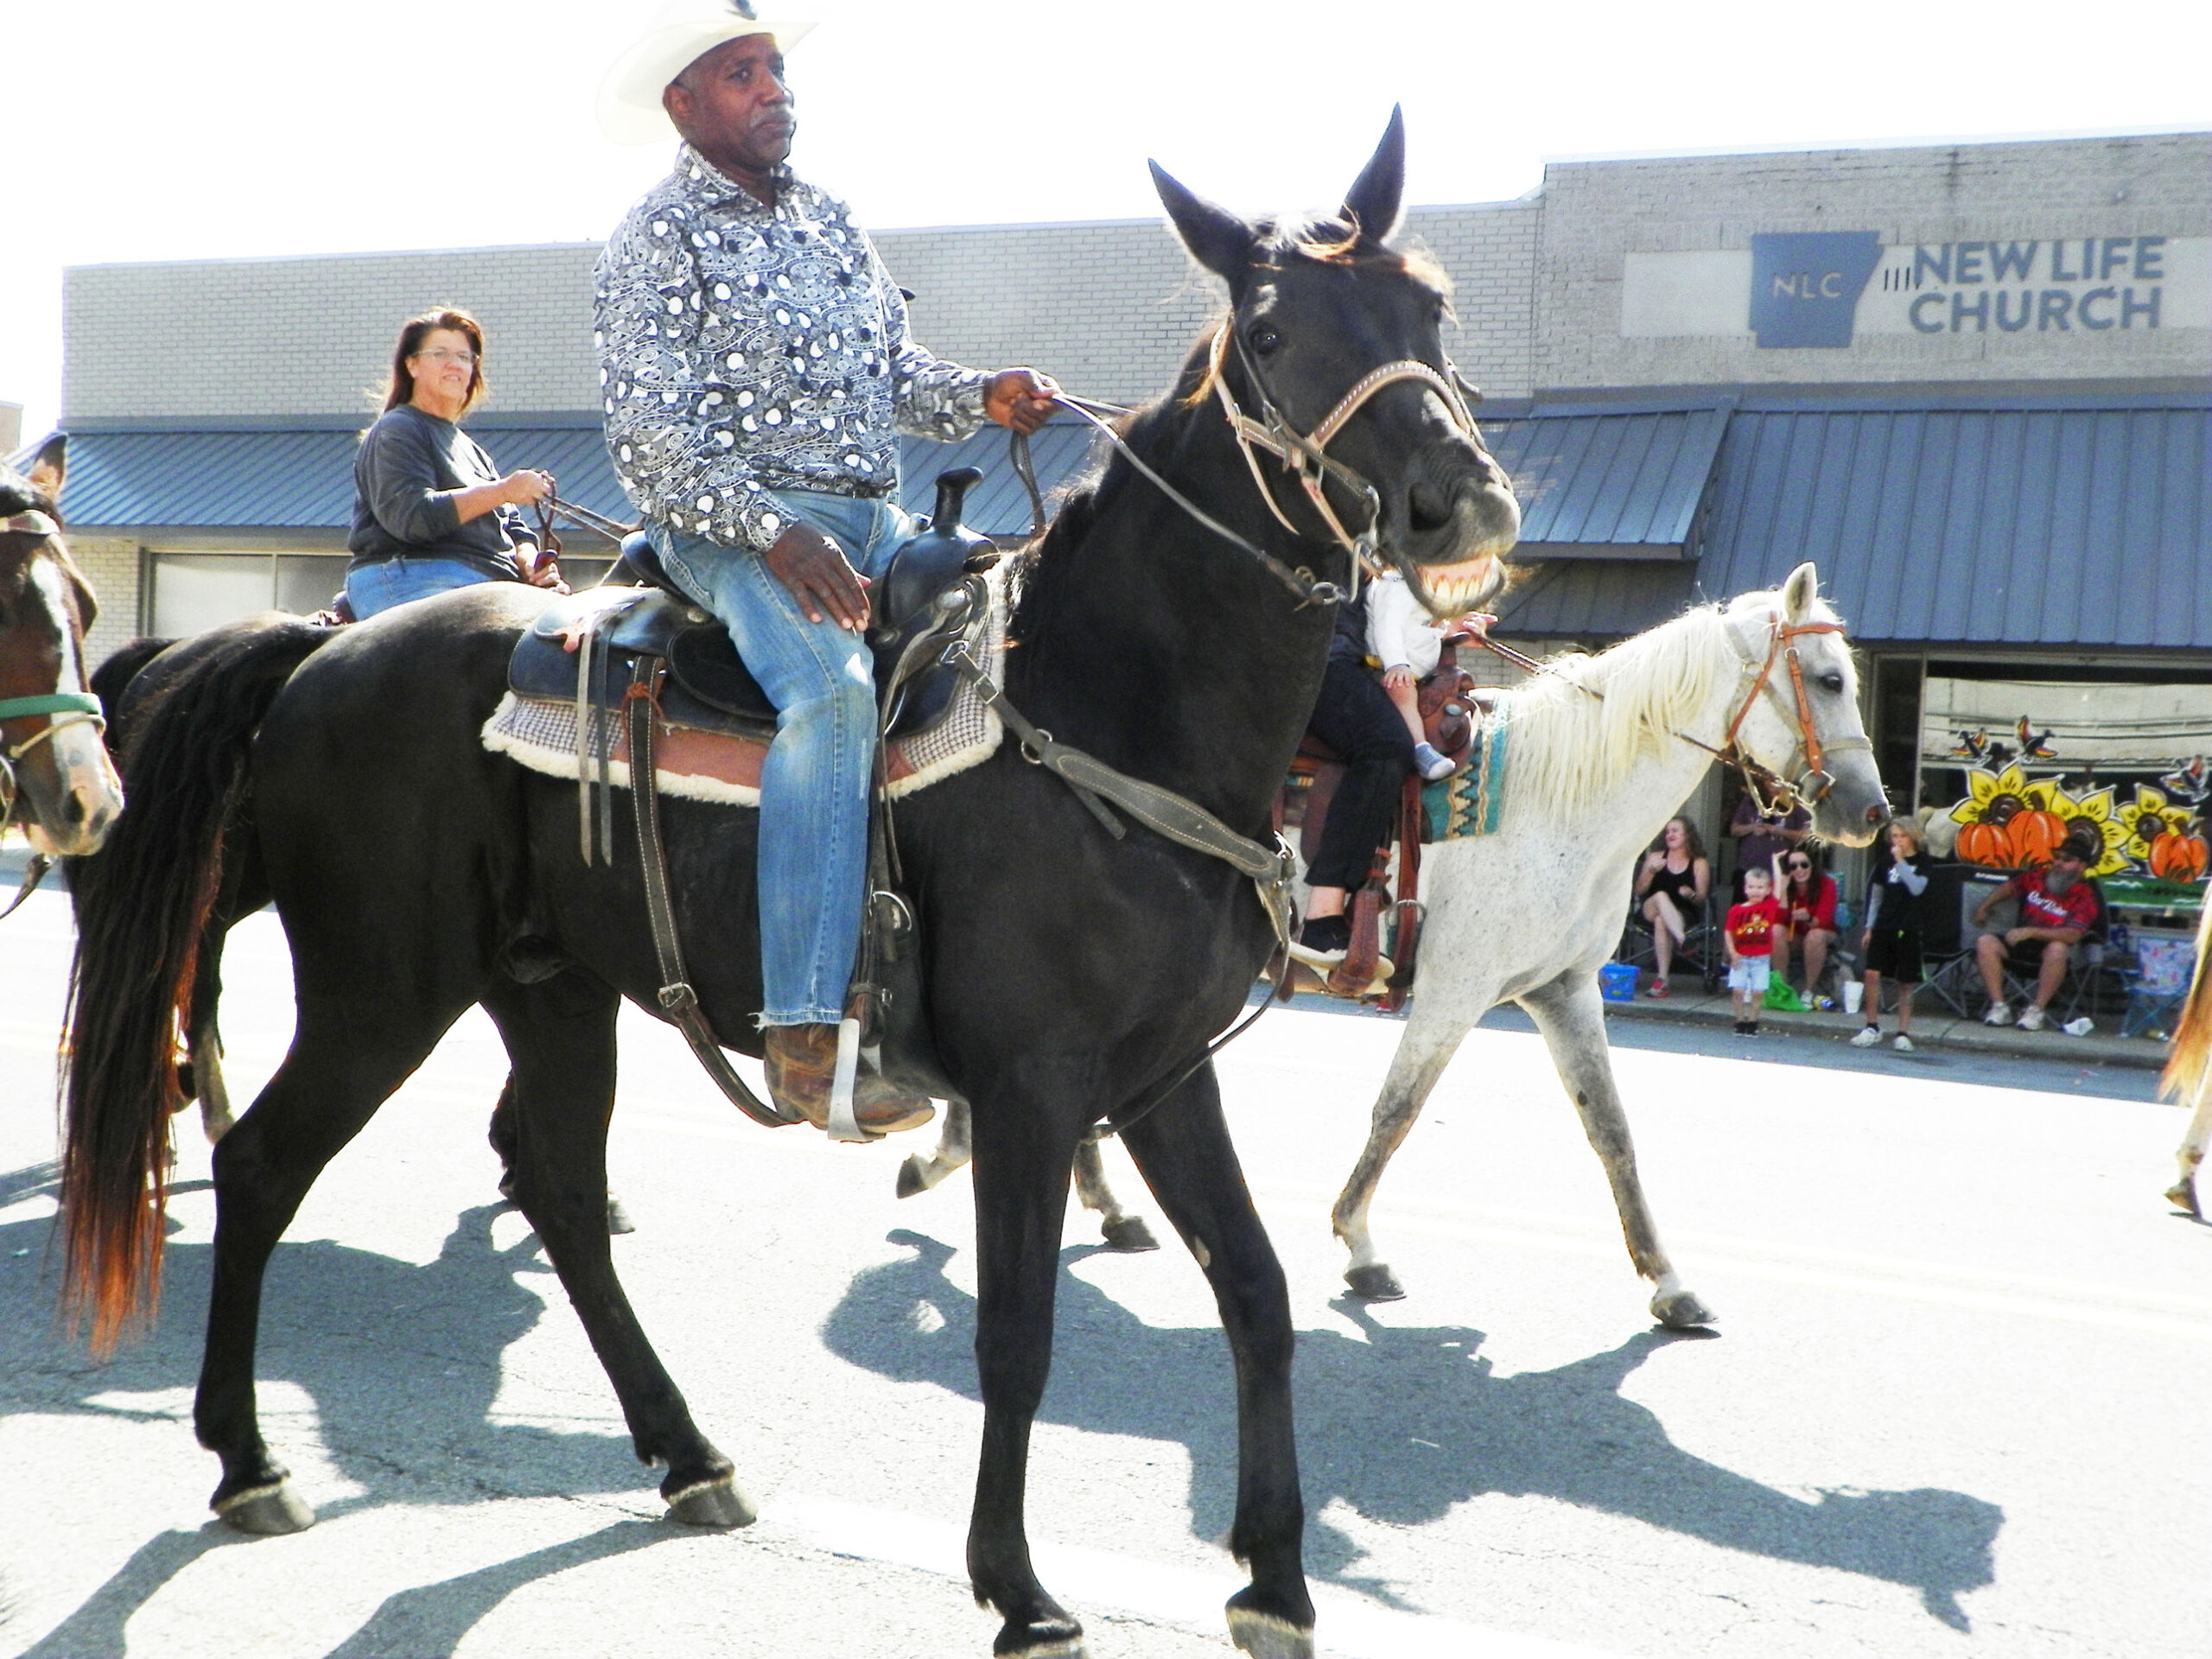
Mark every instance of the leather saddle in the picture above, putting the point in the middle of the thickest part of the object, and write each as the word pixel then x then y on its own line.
pixel 637 610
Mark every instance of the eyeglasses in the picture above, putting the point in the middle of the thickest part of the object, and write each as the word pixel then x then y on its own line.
pixel 1797 864
pixel 439 354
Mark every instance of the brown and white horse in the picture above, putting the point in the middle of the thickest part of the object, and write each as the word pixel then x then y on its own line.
pixel 55 779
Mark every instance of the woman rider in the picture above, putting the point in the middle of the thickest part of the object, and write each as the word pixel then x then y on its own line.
pixel 431 511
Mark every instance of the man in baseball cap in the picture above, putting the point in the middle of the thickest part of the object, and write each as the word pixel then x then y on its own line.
pixel 757 374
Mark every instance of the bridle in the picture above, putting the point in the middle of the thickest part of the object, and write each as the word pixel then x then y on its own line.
pixel 1305 455
pixel 62 708
pixel 1812 785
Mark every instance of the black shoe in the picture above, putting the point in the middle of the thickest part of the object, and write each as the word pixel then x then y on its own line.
pixel 1323 941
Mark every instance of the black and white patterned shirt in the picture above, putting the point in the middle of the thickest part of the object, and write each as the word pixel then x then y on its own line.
pixel 744 348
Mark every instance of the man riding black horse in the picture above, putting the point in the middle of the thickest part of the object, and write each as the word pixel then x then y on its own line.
pixel 758 374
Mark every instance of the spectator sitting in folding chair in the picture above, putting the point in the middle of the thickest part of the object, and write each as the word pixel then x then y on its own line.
pixel 1806 895
pixel 2057 909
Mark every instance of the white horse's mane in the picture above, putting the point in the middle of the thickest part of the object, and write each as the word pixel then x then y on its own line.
pixel 1569 750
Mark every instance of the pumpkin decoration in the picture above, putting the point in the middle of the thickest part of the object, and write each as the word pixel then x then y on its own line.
pixel 2033 835
pixel 1993 800
pixel 1986 843
pixel 2164 835
pixel 2176 857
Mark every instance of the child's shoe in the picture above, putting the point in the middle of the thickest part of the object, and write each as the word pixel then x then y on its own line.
pixel 1903 1044
pixel 1432 766
pixel 1867 1037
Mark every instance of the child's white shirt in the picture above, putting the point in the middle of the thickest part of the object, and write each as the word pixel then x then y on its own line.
pixel 1400 632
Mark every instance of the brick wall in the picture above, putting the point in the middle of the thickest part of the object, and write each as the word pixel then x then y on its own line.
pixel 112 567
pixel 247 338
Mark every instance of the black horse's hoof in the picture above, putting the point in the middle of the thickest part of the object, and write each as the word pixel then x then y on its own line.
pixel 717 1503
pixel 1374 1284
pixel 618 1218
pixel 1131 1235
pixel 265 1511
pixel 1264 1636
pixel 1042 1639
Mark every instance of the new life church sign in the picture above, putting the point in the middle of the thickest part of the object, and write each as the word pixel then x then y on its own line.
pixel 1825 289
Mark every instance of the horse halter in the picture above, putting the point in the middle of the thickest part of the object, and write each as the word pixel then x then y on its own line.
pixel 62 708
pixel 1812 785
pixel 1304 455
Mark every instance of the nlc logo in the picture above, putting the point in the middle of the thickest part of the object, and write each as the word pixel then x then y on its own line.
pixel 1805 285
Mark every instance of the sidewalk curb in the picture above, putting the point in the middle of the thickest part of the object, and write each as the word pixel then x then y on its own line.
pixel 1967 1036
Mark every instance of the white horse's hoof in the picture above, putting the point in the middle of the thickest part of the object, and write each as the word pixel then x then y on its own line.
pixel 1265 1637
pixel 713 1503
pixel 266 1511
pixel 618 1218
pixel 1375 1283
pixel 1131 1235
pixel 2182 1196
pixel 914 1175
pixel 1681 1310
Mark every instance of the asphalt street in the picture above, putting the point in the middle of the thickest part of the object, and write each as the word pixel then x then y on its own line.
pixel 1956 1405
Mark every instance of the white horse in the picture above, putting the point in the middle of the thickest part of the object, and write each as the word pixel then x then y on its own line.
pixel 2189 1075
pixel 1601 751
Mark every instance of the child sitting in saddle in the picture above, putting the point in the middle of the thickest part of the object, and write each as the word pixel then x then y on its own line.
pixel 1750 947
pixel 1408 641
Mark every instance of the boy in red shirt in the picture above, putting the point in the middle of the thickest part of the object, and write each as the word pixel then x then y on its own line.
pixel 1750 947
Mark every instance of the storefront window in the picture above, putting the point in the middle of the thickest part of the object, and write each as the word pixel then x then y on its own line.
pixel 2020 763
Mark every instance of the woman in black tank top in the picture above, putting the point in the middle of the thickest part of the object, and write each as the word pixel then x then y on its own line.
pixel 1670 887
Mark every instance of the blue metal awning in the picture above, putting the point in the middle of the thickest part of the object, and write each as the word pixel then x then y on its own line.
pixel 2059 525
pixel 1608 485
pixel 303 480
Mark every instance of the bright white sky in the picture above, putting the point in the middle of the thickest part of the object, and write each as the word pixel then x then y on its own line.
pixel 149 129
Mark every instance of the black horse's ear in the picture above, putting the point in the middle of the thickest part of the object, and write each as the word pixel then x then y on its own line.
pixel 1373 202
pixel 50 467
pixel 1217 239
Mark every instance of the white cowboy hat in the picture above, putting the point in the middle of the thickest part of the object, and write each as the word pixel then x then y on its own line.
pixel 629 98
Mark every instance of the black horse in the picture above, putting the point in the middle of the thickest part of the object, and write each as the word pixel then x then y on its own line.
pixel 1070 975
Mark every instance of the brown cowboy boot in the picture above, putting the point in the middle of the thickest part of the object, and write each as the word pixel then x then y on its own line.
pixel 802 1062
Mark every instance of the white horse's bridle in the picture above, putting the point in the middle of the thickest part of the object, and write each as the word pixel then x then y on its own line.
pixel 1813 784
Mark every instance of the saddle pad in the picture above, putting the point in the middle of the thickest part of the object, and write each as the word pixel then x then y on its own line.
pixel 692 764
pixel 1469 802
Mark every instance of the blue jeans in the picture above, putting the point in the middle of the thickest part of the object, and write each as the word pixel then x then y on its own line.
pixel 373 588
pixel 814 788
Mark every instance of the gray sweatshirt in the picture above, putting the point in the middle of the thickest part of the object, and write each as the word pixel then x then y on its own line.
pixel 411 467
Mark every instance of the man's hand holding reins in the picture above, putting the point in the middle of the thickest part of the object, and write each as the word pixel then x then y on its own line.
pixel 1021 398
pixel 816 571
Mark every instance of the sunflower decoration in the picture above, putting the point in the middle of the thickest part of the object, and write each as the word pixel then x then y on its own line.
pixel 2164 835
pixel 2091 820
pixel 2009 823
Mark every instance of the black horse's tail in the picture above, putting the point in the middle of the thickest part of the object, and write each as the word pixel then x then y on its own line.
pixel 142 910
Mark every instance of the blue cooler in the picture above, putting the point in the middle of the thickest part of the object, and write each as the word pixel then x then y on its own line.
pixel 1617 982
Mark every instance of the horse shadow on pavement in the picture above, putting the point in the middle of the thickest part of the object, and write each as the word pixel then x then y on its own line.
pixel 1404 1423
pixel 402 1362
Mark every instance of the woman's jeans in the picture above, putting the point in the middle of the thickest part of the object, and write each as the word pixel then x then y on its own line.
pixel 373 588
pixel 814 788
